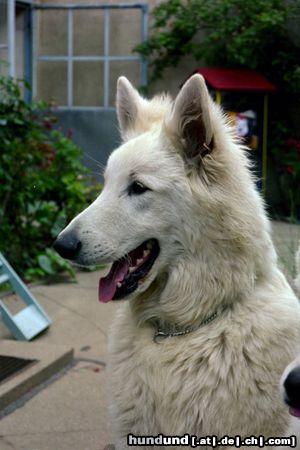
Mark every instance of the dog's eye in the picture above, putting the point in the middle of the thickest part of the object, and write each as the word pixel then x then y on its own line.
pixel 137 188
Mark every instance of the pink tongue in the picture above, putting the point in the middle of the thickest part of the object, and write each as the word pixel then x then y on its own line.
pixel 294 412
pixel 108 284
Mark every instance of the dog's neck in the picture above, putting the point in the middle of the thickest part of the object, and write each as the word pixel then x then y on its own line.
pixel 191 291
pixel 181 300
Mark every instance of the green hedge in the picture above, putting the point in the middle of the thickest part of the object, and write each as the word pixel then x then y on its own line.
pixel 43 184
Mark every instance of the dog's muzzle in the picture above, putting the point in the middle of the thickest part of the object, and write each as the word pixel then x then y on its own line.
pixel 68 245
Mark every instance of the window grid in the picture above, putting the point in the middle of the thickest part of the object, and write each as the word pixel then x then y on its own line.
pixel 106 58
pixel 10 22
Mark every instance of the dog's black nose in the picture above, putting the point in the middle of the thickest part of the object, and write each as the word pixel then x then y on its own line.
pixel 67 246
pixel 292 387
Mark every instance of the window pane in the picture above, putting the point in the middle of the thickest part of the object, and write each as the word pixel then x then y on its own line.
pixel 3 62
pixel 3 21
pixel 129 69
pixel 125 31
pixel 88 32
pixel 20 44
pixel 3 39
pixel 52 82
pixel 88 83
pixel 53 32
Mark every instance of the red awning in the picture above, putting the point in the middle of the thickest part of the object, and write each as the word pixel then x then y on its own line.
pixel 235 79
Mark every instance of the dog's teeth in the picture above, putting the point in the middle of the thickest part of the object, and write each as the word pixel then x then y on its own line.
pixel 139 261
pixel 119 284
pixel 149 245
pixel 132 269
pixel 146 253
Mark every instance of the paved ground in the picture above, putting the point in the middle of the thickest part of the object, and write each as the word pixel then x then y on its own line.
pixel 286 238
pixel 70 411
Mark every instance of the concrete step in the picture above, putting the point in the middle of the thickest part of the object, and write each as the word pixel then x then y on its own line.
pixel 49 360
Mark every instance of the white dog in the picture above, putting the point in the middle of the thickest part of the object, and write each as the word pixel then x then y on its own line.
pixel 208 321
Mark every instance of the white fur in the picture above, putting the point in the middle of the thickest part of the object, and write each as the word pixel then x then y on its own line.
pixel 216 249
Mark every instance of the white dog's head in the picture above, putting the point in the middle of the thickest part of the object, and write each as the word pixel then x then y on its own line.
pixel 137 217
pixel 177 186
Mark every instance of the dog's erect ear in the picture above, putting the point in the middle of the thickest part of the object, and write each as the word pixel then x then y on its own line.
pixel 190 118
pixel 127 106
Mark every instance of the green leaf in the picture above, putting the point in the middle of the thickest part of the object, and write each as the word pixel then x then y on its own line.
pixel 45 264
pixel 59 224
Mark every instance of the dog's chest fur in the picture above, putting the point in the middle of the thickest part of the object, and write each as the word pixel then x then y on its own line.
pixel 179 385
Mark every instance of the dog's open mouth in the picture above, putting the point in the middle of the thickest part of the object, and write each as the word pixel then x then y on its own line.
pixel 127 272
pixel 293 404
pixel 294 412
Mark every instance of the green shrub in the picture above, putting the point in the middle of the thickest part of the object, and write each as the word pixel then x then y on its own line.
pixel 285 157
pixel 233 33
pixel 43 184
